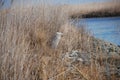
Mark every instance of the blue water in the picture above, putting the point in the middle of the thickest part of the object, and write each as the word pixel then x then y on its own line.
pixel 107 29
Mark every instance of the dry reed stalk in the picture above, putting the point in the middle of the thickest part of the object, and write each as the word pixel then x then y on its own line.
pixel 45 61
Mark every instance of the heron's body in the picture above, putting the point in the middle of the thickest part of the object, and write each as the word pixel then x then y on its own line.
pixel 56 39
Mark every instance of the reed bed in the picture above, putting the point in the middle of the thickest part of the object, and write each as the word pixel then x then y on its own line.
pixel 25 45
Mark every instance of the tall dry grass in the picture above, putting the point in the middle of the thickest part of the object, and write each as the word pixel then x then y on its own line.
pixel 25 45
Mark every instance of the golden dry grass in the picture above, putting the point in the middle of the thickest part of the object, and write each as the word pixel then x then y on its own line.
pixel 25 45
pixel 25 37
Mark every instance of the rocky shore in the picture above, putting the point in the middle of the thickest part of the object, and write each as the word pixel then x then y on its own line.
pixel 105 54
pixel 106 47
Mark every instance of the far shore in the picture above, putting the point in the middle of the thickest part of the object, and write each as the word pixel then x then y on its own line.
pixel 98 14
pixel 105 9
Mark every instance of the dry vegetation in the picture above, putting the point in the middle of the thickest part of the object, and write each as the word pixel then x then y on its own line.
pixel 25 45
pixel 102 9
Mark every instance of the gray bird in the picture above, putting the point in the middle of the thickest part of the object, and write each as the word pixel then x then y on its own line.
pixel 56 39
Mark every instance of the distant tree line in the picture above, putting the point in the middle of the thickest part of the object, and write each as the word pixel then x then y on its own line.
pixel 97 14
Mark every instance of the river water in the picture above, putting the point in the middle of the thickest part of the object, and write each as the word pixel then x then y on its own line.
pixel 107 29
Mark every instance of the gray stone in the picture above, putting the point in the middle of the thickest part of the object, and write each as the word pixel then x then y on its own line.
pixel 76 56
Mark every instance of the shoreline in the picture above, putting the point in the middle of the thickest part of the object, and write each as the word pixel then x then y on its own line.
pixel 90 10
pixel 111 17
pixel 95 15
pixel 107 46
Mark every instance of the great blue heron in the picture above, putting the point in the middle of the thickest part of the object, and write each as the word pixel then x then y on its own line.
pixel 56 39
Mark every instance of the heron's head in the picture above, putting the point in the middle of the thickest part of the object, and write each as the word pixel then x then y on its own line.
pixel 59 33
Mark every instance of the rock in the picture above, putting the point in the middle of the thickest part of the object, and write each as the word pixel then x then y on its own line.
pixel 106 47
pixel 113 55
pixel 76 56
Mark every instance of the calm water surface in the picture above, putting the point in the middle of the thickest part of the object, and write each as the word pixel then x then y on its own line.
pixel 107 29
